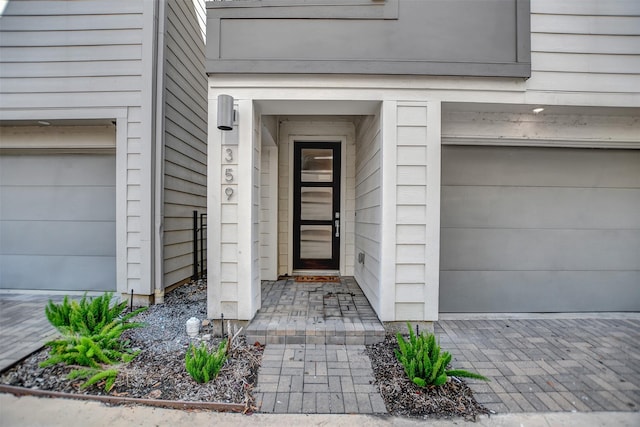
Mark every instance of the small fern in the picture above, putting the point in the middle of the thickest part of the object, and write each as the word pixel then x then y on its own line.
pixel 424 362
pixel 203 365
pixel 94 376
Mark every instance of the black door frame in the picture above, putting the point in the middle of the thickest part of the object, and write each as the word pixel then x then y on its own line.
pixel 317 264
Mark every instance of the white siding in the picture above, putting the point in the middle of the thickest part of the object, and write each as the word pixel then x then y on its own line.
pixel 185 126
pixel 411 211
pixel 59 54
pixel 368 207
pixel 585 47
pixel 268 213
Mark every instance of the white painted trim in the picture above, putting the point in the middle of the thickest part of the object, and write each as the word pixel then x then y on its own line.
pixel 158 166
pixel 214 204
pixel 148 96
pixel 311 136
pixel 121 202
pixel 73 115
pixel 560 142
pixel 273 212
pixel 432 261
pixel 388 153
pixel 245 209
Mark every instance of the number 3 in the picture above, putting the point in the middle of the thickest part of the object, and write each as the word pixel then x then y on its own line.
pixel 229 157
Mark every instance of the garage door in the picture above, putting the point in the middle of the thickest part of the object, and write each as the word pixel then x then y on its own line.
pixel 539 230
pixel 57 222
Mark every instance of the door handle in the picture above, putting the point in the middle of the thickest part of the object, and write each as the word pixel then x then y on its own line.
pixel 337 228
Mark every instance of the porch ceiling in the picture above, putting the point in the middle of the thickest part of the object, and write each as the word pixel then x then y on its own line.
pixel 478 107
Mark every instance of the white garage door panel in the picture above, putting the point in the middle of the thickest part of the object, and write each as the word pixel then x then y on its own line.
pixel 66 169
pixel 68 203
pixel 68 238
pixel 57 222
pixel 555 291
pixel 541 207
pixel 528 229
pixel 531 166
pixel 66 273
pixel 539 249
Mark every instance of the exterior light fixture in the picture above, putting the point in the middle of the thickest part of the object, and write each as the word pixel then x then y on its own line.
pixel 43 123
pixel 225 112
pixel 538 110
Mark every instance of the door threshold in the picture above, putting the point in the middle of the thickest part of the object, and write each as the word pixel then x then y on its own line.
pixel 315 273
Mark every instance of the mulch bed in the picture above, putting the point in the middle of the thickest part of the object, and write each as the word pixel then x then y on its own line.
pixel 403 398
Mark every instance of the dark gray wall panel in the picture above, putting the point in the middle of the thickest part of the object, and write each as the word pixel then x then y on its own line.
pixel 464 37
pixel 539 229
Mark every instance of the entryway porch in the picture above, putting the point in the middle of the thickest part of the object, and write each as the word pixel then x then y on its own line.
pixel 314 312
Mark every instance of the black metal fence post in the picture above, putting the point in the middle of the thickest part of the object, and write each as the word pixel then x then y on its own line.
pixel 195 245
pixel 203 244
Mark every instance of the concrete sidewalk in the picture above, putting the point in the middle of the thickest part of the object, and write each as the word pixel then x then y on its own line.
pixel 72 413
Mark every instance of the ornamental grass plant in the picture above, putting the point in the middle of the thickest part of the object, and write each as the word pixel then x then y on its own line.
pixel 203 365
pixel 424 362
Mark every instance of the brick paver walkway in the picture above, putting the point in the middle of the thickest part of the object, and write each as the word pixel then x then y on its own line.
pixel 23 326
pixel 314 313
pixel 317 378
pixel 553 364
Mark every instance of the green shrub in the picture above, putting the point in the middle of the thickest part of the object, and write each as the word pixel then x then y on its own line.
pixel 202 365
pixel 89 316
pixel 423 361
pixel 91 336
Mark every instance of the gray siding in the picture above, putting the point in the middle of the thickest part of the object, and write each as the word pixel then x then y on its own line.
pixel 540 229
pixel 185 128
pixel 429 37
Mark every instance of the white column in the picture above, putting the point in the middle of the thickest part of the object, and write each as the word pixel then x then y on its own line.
pixel 432 261
pixel 388 224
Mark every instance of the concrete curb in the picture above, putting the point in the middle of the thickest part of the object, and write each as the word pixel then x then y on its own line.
pixel 115 400
pixel 19 411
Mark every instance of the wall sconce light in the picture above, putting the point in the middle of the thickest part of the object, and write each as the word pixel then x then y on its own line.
pixel 226 114
pixel 538 110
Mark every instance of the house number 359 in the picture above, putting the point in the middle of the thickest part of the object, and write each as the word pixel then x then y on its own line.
pixel 228 175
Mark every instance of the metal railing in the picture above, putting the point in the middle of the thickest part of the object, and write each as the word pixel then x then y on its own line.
pixel 199 245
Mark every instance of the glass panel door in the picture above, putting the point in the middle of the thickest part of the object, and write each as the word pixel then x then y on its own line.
pixel 316 222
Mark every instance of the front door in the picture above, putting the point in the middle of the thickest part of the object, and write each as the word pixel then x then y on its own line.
pixel 316 209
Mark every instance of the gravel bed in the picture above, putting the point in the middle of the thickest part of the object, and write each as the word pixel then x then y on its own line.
pixel 158 372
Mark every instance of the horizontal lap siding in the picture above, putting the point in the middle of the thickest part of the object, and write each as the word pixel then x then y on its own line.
pixel 71 54
pixel 585 46
pixel 368 198
pixel 185 129
pixel 411 218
